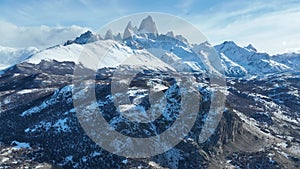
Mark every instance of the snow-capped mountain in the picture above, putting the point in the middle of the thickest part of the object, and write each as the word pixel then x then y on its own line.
pixel 84 38
pixel 253 62
pixel 12 56
pixel 231 68
pixel 259 127
pixel 88 55
pixel 174 50
pixel 137 44
pixel 290 59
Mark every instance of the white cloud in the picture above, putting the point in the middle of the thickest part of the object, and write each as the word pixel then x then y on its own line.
pixel 39 36
pixel 274 31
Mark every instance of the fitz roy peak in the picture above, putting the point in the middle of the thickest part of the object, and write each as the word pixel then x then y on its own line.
pixel 148 26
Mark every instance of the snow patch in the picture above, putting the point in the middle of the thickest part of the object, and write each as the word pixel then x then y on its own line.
pixel 125 161
pixel 19 145
pixel 62 126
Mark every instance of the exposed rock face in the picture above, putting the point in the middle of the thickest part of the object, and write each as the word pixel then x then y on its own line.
pixel 129 31
pixel 109 35
pixel 251 47
pixel 148 26
pixel 84 38
pixel 170 34
pixel 118 37
pixel 227 131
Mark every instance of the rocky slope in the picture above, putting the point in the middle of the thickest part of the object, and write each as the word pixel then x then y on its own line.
pixel 45 125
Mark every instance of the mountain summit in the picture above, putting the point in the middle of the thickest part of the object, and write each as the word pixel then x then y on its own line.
pixel 109 35
pixel 251 48
pixel 84 38
pixel 129 31
pixel 148 26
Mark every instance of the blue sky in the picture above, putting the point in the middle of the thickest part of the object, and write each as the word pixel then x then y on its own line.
pixel 271 26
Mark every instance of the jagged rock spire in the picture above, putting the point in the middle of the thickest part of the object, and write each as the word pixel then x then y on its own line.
pixel 129 31
pixel 118 37
pixel 109 35
pixel 148 26
pixel 251 48
pixel 170 34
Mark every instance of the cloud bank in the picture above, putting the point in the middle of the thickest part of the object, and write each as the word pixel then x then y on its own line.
pixel 271 28
pixel 37 36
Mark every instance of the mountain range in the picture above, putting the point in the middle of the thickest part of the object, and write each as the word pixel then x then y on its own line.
pixel 40 127
pixel 236 61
